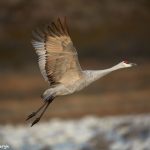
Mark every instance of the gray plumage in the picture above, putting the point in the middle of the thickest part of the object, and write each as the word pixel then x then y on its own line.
pixel 58 61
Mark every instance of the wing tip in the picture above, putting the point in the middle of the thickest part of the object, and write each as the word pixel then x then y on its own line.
pixel 60 26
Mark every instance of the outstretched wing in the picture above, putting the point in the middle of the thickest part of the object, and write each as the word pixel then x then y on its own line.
pixel 58 59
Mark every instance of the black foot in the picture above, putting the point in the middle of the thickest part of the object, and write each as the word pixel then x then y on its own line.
pixel 31 115
pixel 35 121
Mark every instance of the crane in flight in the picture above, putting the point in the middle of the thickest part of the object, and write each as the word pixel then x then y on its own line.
pixel 59 65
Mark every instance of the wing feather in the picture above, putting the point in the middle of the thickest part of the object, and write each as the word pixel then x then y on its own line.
pixel 58 60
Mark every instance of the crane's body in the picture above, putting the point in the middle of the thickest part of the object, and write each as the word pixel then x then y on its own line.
pixel 88 77
pixel 59 65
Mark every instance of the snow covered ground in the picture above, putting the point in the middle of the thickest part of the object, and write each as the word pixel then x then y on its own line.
pixel 88 133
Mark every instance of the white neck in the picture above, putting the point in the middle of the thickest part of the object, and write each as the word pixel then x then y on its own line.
pixel 92 75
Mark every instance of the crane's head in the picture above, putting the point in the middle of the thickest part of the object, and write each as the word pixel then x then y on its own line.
pixel 126 64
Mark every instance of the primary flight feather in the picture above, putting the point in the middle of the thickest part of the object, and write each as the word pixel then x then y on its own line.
pixel 57 56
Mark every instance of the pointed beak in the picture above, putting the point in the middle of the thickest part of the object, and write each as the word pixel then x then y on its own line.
pixel 133 64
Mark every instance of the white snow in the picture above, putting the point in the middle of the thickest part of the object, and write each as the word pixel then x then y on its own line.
pixel 88 133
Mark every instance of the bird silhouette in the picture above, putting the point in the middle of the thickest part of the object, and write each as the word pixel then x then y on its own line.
pixel 59 65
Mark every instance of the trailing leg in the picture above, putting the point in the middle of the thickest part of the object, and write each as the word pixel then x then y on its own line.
pixel 42 113
pixel 36 112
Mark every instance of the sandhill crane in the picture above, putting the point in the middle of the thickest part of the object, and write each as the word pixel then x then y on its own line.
pixel 59 65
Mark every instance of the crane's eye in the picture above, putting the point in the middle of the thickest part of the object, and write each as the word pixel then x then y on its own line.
pixel 126 62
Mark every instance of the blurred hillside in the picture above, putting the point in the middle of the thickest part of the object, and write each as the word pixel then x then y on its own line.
pixel 104 32
pixel 100 29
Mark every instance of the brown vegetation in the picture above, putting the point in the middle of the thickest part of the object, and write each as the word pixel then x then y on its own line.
pixel 122 92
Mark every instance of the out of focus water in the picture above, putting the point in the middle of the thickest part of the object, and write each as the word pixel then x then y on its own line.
pixel 88 133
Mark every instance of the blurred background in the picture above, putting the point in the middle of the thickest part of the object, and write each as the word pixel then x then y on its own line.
pixel 104 33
